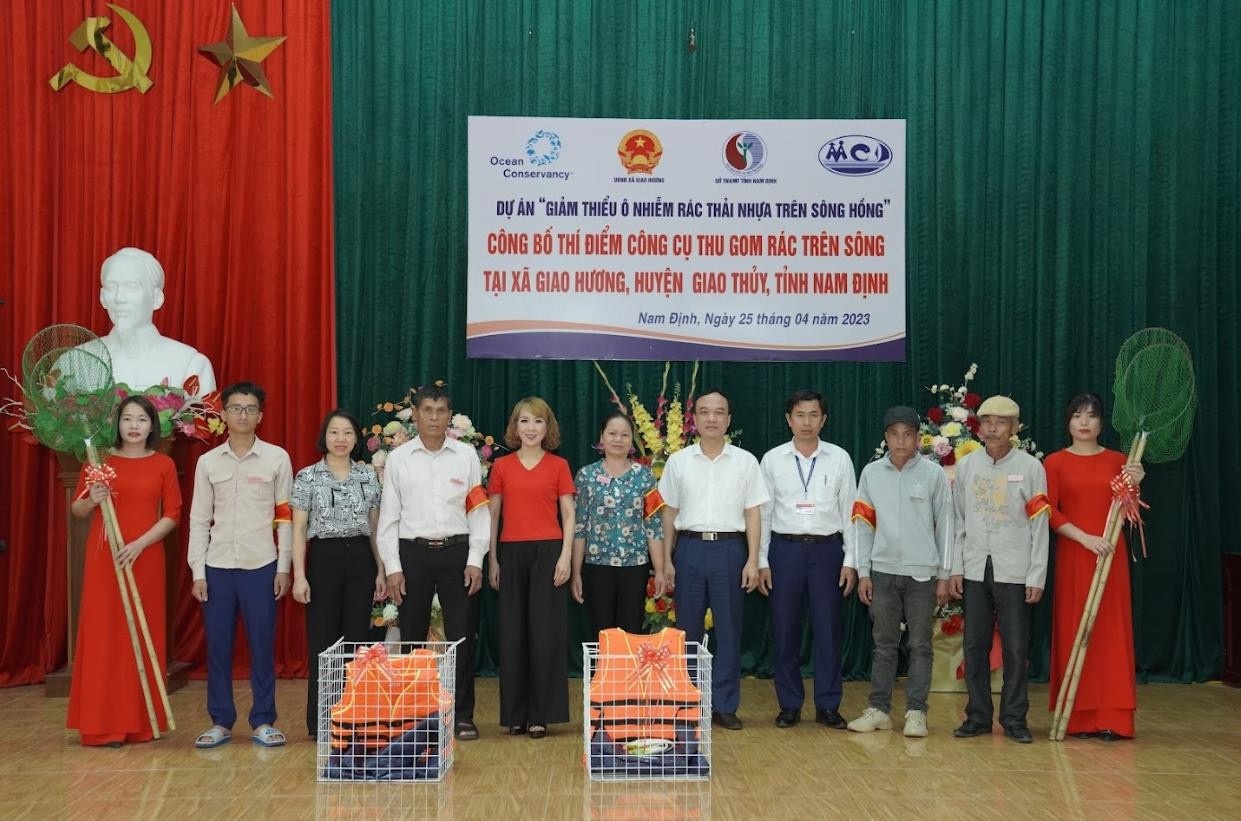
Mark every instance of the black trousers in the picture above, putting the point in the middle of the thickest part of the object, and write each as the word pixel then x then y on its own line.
pixel 341 574
pixel 430 571
pixel 615 596
pixel 990 603
pixel 534 664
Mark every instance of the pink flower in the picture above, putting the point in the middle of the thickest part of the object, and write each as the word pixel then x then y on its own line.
pixel 941 446
pixel 485 451
pixel 372 444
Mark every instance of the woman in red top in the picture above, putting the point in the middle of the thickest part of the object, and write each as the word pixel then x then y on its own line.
pixel 532 551
pixel 1078 484
pixel 106 705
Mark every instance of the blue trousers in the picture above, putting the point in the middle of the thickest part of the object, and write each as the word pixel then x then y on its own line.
pixel 801 572
pixel 249 592
pixel 708 574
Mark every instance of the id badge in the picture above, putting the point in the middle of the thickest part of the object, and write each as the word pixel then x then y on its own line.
pixel 803 508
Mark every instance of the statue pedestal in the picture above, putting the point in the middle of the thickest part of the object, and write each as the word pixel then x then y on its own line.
pixel 58 682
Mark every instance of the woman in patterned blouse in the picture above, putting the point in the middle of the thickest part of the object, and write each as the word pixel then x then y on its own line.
pixel 335 505
pixel 617 533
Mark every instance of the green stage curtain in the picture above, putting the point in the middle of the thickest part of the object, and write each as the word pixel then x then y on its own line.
pixel 1072 177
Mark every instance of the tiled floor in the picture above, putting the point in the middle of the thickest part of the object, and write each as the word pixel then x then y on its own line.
pixel 1185 764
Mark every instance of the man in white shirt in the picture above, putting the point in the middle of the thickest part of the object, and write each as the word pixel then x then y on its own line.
pixel 434 529
pixel 807 552
pixel 713 492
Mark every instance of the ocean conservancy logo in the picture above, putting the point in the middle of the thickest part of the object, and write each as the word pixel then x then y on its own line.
pixel 855 155
pixel 744 153
pixel 543 148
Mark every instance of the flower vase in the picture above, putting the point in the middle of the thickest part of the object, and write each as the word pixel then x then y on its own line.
pixel 948 657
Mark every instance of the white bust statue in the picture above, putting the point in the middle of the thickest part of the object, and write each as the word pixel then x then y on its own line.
pixel 132 291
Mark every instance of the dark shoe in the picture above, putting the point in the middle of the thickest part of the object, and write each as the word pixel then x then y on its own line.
pixel 1019 733
pixel 788 718
pixel 831 718
pixel 1111 735
pixel 466 731
pixel 519 729
pixel 969 729
pixel 728 721
pixel 1085 736
pixel 537 731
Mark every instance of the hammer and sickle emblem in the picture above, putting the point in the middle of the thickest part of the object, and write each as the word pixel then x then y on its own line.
pixel 129 73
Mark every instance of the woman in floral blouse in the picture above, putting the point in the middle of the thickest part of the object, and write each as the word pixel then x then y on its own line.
pixel 337 573
pixel 617 535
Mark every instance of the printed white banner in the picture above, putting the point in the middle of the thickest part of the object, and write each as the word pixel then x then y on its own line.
pixel 776 240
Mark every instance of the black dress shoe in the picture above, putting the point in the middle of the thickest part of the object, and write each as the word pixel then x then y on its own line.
pixel 1085 736
pixel 788 718
pixel 518 729
pixel 969 729
pixel 466 730
pixel 1019 733
pixel 728 721
pixel 538 731
pixel 1111 735
pixel 832 718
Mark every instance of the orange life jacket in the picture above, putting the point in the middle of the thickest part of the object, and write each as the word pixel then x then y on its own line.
pixel 641 687
pixel 386 696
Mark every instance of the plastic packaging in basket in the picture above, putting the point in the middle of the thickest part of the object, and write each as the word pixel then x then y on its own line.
pixel 386 711
pixel 646 706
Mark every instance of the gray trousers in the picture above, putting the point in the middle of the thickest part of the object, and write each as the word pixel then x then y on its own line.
pixel 901 599
pixel 990 603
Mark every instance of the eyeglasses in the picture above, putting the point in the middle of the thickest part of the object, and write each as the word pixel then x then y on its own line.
pixel 244 410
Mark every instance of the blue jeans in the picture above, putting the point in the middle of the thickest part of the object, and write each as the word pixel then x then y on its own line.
pixel 250 592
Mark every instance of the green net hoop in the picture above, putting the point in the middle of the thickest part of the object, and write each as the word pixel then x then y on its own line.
pixel 1155 392
pixel 67 377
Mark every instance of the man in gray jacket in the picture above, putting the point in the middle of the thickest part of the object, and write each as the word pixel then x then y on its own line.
pixel 1000 500
pixel 903 532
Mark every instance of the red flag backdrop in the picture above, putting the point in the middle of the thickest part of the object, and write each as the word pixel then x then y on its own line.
pixel 235 199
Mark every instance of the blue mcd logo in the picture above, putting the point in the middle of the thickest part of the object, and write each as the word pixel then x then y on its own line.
pixel 855 155
pixel 744 153
pixel 543 148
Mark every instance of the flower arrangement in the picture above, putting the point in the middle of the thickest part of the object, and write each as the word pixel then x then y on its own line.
pixel 661 611
pixel 949 428
pixel 384 437
pixel 384 614
pixel 669 429
pixel 181 410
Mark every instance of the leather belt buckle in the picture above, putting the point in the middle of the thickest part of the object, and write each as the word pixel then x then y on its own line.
pixel 435 544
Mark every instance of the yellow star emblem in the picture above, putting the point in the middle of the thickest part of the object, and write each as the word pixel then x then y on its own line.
pixel 239 57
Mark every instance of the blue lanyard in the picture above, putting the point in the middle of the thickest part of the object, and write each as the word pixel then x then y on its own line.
pixel 805 480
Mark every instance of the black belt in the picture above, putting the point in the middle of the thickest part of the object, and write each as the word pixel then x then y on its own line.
pixel 806 538
pixel 439 544
pixel 713 535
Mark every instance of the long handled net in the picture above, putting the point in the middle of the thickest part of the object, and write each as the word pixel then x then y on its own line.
pixel 67 378
pixel 1154 413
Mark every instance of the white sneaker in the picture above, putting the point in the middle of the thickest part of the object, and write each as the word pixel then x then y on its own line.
pixel 871 719
pixel 915 724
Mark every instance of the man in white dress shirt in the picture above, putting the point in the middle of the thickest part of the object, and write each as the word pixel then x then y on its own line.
pixel 713 492
pixel 434 530
pixel 807 553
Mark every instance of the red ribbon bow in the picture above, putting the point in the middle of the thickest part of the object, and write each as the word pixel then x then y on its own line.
pixel 653 663
pixel 374 656
pixel 97 475
pixel 1125 493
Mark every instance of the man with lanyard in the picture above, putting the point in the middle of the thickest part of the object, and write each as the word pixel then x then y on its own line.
pixel 434 527
pixel 713 492
pixel 807 552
